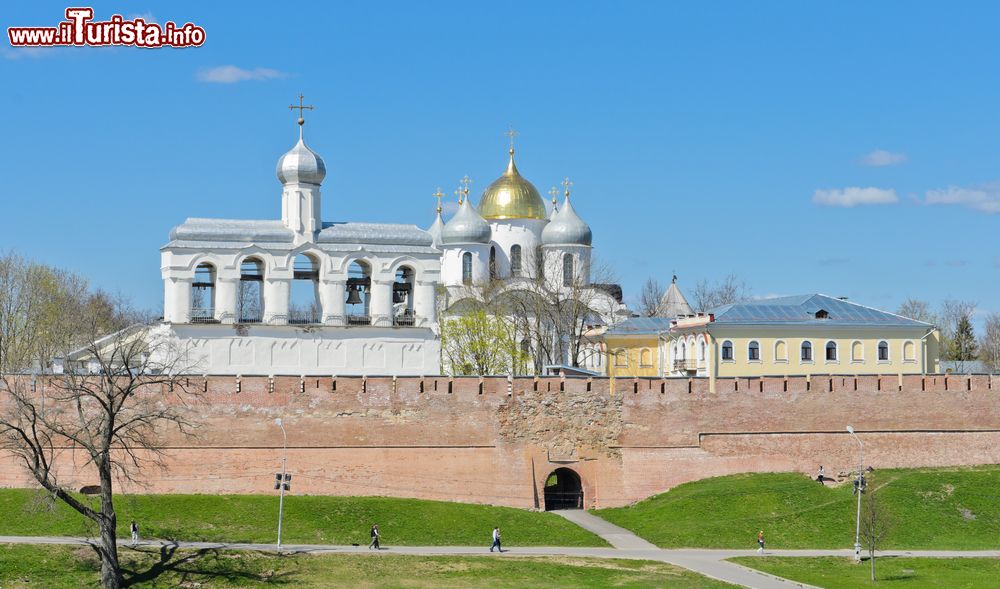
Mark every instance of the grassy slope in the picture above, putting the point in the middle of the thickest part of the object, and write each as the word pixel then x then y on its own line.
pixel 931 508
pixel 56 567
pixel 308 519
pixel 909 573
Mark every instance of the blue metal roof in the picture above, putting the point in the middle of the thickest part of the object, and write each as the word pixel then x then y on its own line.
pixel 802 309
pixel 641 326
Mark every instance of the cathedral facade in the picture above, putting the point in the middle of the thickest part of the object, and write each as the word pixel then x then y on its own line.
pixel 303 296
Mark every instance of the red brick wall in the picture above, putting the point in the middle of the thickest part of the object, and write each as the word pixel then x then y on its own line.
pixel 495 441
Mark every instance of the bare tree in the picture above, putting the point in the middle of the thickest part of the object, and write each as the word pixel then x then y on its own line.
pixel 731 289
pixel 111 415
pixel 876 523
pixel 650 297
pixel 989 343
pixel 917 310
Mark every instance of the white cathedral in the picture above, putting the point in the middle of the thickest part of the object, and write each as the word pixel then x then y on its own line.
pixel 302 296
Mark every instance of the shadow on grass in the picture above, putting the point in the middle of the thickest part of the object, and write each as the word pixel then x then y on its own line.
pixel 202 564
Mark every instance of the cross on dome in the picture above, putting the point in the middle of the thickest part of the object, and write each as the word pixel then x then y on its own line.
pixel 567 183
pixel 511 133
pixel 438 196
pixel 302 108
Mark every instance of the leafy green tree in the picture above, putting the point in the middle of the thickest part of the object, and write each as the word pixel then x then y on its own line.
pixel 480 343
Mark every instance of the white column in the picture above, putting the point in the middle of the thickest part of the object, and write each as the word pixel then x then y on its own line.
pixel 178 300
pixel 381 303
pixel 225 299
pixel 276 295
pixel 423 303
pixel 333 299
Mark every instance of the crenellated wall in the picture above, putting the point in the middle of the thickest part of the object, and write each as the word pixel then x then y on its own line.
pixel 495 440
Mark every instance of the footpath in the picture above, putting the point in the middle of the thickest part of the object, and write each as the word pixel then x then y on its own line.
pixel 711 563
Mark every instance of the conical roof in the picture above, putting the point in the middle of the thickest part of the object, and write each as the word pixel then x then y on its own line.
pixel 673 303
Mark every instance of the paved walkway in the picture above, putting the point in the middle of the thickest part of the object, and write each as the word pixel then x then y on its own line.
pixel 710 563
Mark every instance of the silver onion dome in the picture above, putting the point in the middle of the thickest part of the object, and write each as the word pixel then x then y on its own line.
pixel 566 228
pixel 301 165
pixel 467 226
pixel 435 230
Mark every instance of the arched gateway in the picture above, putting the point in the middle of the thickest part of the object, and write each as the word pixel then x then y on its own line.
pixel 563 490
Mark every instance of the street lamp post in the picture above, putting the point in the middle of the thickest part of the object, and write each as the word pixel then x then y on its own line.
pixel 282 479
pixel 861 469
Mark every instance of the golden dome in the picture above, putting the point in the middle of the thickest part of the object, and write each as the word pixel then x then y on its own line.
pixel 511 197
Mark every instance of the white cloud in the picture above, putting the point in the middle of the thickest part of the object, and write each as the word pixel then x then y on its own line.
pixel 984 198
pixel 230 74
pixel 854 196
pixel 13 53
pixel 145 16
pixel 880 158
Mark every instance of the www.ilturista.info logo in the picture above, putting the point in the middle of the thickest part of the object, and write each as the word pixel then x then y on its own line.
pixel 79 29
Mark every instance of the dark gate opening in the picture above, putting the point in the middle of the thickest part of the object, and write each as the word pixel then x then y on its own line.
pixel 563 490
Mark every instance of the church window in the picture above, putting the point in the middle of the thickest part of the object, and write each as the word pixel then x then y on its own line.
pixel 753 352
pixel 701 350
pixel 807 352
pixel 303 304
pixel 831 351
pixel 467 268
pixel 203 294
pixel 567 269
pixel 359 284
pixel 493 264
pixel 727 350
pixel 883 351
pixel 645 358
pixel 515 260
pixel 857 352
pixel 250 305
pixel 909 352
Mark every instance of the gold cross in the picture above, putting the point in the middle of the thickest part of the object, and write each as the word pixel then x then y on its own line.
pixel 554 192
pixel 512 134
pixel 567 184
pixel 458 193
pixel 465 181
pixel 301 108
pixel 438 196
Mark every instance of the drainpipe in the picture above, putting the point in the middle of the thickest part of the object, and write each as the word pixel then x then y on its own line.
pixel 923 351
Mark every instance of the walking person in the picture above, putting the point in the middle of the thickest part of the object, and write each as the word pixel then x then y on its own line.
pixel 821 476
pixel 135 533
pixel 496 540
pixel 375 536
pixel 760 542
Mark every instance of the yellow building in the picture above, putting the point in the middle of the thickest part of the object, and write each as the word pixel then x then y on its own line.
pixel 634 347
pixel 799 335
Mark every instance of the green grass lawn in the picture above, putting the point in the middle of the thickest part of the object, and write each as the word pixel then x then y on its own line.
pixel 906 573
pixel 57 567
pixel 308 520
pixel 931 508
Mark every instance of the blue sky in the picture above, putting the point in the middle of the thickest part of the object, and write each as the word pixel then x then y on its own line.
pixel 702 138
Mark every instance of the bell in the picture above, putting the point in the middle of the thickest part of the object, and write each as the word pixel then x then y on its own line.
pixel 399 296
pixel 353 297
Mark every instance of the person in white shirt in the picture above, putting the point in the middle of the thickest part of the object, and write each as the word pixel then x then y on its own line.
pixel 496 540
